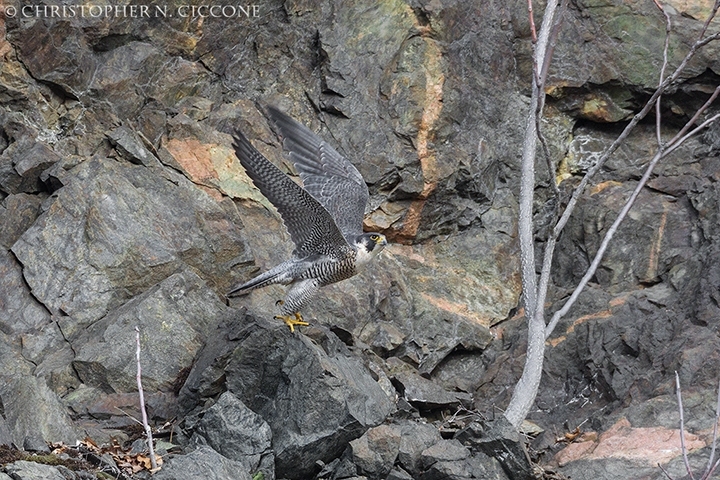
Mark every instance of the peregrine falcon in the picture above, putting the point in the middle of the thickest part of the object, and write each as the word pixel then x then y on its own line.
pixel 323 217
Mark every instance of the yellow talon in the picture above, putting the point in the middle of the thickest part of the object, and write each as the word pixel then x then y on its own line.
pixel 291 321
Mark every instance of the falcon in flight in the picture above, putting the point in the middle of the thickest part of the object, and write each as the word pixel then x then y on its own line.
pixel 323 217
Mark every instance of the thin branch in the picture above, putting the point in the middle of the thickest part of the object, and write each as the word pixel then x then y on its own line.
pixel 128 415
pixel 672 145
pixel 148 430
pixel 692 132
pixel 668 28
pixel 626 132
pixel 526 387
pixel 697 115
pixel 541 60
pixel 676 142
pixel 542 286
pixel 603 246
pixel 541 80
pixel 533 30
pixel 710 468
pixel 552 41
pixel 665 472
pixel 682 427
pixel 545 47
pixel 710 18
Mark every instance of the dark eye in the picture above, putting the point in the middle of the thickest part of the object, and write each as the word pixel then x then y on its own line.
pixel 374 237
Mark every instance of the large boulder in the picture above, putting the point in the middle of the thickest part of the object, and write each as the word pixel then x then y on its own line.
pixel 315 396
pixel 312 392
pixel 203 462
pixel 238 433
pixel 116 230
pixel 34 414
pixel 175 319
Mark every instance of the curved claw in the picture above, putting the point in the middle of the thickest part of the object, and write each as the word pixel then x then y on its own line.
pixel 292 320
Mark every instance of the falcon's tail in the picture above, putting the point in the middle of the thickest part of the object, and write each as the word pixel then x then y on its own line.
pixel 278 274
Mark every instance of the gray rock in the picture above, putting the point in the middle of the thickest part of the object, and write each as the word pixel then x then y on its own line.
pixel 460 371
pixel 23 160
pixel 375 452
pixel 34 414
pixel 236 432
pixel 426 98
pixel 444 451
pixel 17 213
pixel 174 318
pixel 19 310
pixel 52 356
pixel 6 437
pixel 477 466
pixel 450 459
pixel 30 163
pixel 121 230
pixel 501 441
pixel 120 71
pixel 616 468
pixel 204 462
pixel 24 470
pixel 635 256
pixel 342 467
pixel 315 396
pixel 399 474
pixel 426 395
pixel 415 439
pixel 131 147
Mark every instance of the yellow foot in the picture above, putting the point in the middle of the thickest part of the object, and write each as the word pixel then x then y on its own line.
pixel 292 320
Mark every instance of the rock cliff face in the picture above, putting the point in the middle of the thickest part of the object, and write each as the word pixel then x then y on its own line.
pixel 122 205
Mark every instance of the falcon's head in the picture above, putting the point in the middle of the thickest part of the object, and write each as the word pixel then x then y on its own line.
pixel 368 246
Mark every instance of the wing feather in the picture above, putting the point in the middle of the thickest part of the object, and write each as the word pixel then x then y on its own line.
pixel 330 178
pixel 311 228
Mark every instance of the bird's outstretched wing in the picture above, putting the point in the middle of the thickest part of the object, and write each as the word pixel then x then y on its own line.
pixel 326 174
pixel 311 228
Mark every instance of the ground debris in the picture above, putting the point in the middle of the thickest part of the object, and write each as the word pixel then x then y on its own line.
pixel 117 461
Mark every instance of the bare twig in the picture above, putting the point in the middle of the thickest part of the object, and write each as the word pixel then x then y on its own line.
pixel 675 142
pixel 626 132
pixel 665 472
pixel 128 415
pixel 692 132
pixel 710 466
pixel 533 30
pixel 658 113
pixel 695 117
pixel 682 427
pixel 541 79
pixel 552 41
pixel 148 430
pixel 662 153
pixel 535 288
pixel 709 19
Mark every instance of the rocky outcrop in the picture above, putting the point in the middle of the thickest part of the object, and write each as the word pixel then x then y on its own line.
pixel 122 205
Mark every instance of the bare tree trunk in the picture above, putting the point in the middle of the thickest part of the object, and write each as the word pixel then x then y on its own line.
pixel 527 387
pixel 534 292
